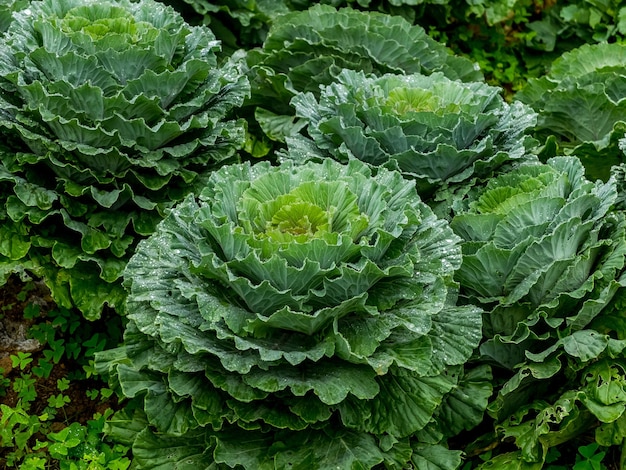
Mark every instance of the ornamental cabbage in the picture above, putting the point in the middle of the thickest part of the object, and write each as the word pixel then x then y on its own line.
pixel 543 255
pixel 297 315
pixel 581 105
pixel 112 111
pixel 245 23
pixel 304 50
pixel 440 132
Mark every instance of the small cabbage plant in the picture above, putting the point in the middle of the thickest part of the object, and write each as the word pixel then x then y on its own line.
pixel 442 133
pixel 112 111
pixel 581 105
pixel 543 254
pixel 297 316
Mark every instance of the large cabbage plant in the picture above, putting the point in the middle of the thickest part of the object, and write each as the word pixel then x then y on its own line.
pixel 443 133
pixel 581 105
pixel 543 255
pixel 297 316
pixel 111 112
pixel 304 50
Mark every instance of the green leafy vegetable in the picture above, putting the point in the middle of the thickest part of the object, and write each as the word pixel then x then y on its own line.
pixel 245 24
pixel 543 255
pixel 298 314
pixel 581 103
pixel 309 48
pixel 114 111
pixel 304 50
pixel 440 132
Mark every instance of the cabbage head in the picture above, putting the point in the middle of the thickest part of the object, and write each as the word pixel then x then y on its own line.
pixel 544 256
pixel 581 105
pixel 304 50
pixel 442 133
pixel 297 315
pixel 112 111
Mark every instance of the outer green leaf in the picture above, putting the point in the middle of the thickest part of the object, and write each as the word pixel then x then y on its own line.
pixel 606 393
pixel 275 126
pixel 612 433
pixel 586 345
pixel 331 383
pixel 162 452
pixel 14 243
pixel 250 450
pixel 435 458
pixel 463 407
pixel 349 450
pixel 404 405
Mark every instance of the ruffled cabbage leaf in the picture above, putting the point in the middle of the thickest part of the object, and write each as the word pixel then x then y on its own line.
pixel 113 111
pixel 6 12
pixel 544 255
pixel 581 103
pixel 298 313
pixel 442 133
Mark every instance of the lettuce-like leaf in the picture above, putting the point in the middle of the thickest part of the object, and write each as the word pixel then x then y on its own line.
pixel 308 305
pixel 115 111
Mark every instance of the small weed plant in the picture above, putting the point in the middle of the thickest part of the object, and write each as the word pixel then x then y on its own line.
pixel 46 392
